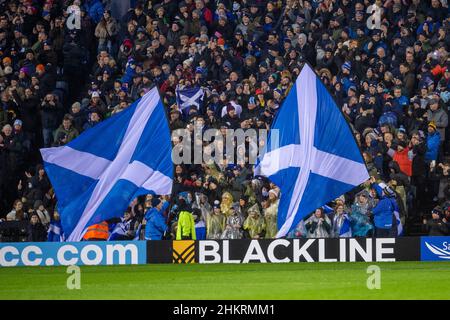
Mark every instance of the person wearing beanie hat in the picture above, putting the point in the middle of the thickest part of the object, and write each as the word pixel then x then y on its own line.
pixel 40 68
pixel 6 61
pixel 25 70
pixel 435 226
pixel 156 225
pixel 221 41
pixel 227 64
pixel 347 66
pixel 156 202
pixel 18 123
pixel 432 125
pixel 127 43
pixel 433 142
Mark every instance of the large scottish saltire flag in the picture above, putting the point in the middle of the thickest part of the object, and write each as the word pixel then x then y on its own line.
pixel 97 175
pixel 312 154
pixel 188 97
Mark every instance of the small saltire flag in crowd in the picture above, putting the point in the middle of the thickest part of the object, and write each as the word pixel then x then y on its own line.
pixel 188 97
pixel 313 157
pixel 345 230
pixel 97 175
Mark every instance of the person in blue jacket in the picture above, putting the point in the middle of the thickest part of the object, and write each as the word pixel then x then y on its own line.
pixel 94 9
pixel 433 142
pixel 384 211
pixel 156 222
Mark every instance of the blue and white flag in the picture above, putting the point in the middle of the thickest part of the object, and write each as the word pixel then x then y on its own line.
pixel 345 231
pixel 399 223
pixel 189 97
pixel 312 154
pixel 97 175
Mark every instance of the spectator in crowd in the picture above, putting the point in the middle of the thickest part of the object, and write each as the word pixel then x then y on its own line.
pixel 55 232
pixel 340 223
pixel 186 223
pixel 17 213
pixel 446 218
pixel 200 227
pixel 233 224
pixel 383 212
pixel 215 222
pixel 106 32
pixel 156 224
pixel 43 215
pixel 270 213
pixel 436 226
pixel 318 225
pixel 36 230
pixel 360 215
pixel 254 225
pixel 66 132
pixel 125 227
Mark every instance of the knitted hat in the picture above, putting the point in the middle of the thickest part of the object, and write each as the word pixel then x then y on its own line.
pixel 155 202
pixel 25 70
pixel 127 43
pixel 432 124
pixel 40 67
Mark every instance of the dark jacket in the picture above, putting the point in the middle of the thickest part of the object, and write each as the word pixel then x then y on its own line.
pixel 36 233
pixel 28 112
pixel 419 166
pixel 49 115
pixel 436 227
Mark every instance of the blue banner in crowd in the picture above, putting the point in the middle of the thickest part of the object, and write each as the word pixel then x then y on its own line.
pixel 435 249
pixel 72 253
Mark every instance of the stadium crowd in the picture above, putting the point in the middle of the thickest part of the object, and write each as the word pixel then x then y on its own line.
pixel 59 78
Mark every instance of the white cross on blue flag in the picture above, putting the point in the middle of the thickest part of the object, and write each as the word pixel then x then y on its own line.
pixel 189 97
pixel 315 158
pixel 97 175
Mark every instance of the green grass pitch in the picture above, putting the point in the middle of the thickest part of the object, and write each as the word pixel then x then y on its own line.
pixel 399 280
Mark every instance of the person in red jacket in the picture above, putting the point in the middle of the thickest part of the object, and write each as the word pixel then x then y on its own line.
pixel 401 156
